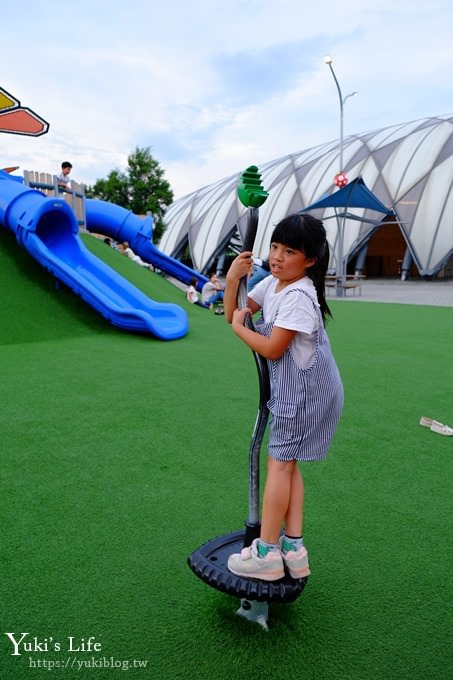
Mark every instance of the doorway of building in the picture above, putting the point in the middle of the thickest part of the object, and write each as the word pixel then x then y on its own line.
pixel 385 253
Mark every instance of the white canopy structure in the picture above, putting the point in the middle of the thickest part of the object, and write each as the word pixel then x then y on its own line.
pixel 408 167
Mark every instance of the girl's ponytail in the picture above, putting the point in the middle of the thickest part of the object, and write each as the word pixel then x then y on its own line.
pixel 317 273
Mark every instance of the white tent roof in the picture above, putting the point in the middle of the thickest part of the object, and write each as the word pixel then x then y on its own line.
pixel 408 166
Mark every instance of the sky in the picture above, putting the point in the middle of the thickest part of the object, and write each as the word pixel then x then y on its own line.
pixel 213 86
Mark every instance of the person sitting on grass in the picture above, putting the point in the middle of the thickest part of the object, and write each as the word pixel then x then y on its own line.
pixel 192 294
pixel 212 291
pixel 259 272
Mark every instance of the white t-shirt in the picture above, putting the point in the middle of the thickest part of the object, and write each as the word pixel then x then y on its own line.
pixel 135 258
pixel 192 295
pixel 64 180
pixel 295 312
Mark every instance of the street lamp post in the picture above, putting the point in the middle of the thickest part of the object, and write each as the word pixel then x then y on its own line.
pixel 340 265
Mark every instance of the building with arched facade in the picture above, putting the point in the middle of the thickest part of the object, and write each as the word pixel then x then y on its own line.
pixel 408 167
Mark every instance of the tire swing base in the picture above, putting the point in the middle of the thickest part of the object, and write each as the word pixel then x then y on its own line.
pixel 209 563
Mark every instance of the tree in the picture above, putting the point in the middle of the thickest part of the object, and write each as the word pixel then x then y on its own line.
pixel 141 188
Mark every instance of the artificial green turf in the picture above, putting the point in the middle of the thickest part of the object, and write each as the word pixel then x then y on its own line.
pixel 121 454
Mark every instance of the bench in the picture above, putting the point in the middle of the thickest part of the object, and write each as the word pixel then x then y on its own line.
pixel 352 283
pixel 48 184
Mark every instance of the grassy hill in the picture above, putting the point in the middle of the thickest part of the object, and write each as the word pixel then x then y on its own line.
pixel 121 454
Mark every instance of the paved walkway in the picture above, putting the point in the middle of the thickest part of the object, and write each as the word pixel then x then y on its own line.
pixel 437 293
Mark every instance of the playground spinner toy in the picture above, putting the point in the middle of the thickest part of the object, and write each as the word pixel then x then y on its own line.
pixel 209 561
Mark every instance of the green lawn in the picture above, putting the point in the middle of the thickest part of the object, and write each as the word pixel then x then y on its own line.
pixel 121 454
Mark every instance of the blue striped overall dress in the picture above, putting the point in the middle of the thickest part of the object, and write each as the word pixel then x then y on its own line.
pixel 305 403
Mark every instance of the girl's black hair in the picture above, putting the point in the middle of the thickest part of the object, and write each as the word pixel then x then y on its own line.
pixel 306 233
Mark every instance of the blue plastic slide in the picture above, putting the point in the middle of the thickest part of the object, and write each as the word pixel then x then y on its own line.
pixel 48 229
pixel 122 225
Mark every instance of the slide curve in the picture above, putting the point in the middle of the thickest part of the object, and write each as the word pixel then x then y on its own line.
pixel 122 225
pixel 47 228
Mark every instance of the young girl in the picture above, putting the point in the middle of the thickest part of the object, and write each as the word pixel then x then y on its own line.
pixel 192 293
pixel 306 395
